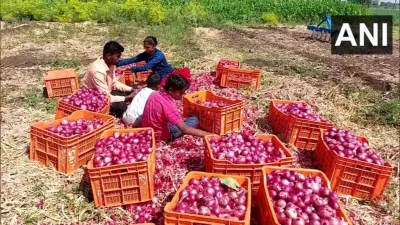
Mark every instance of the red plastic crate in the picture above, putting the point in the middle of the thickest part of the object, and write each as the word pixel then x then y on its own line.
pixel 267 212
pixel 174 218
pixel 352 177
pixel 61 83
pixel 252 171
pixel 65 109
pixel 212 119
pixel 303 134
pixel 219 67
pixel 124 184
pixel 66 154
pixel 240 78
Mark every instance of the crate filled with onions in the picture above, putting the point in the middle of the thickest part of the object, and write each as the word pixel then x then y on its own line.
pixel 222 63
pixel 351 164
pixel 216 114
pixel 83 99
pixel 242 154
pixel 298 196
pixel 67 144
pixel 121 171
pixel 207 198
pixel 297 123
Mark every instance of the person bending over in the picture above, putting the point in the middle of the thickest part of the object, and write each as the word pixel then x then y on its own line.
pixel 161 112
pixel 133 115
pixel 101 76
pixel 155 61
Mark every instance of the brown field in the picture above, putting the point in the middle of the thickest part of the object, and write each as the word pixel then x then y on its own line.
pixel 344 89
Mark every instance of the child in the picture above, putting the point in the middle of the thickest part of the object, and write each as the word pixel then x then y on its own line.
pixel 161 112
pixel 133 114
pixel 101 76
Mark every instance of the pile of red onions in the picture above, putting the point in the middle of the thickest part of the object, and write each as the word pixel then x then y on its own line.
pixel 68 128
pixel 240 148
pixel 302 200
pixel 346 144
pixel 88 99
pixel 123 148
pixel 301 110
pixel 213 103
pixel 143 212
pixel 209 197
pixel 228 63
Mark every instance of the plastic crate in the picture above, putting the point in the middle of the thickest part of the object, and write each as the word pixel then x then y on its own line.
pixel 266 208
pixel 173 218
pixel 124 184
pixel 232 63
pixel 240 78
pixel 303 134
pixel 352 177
pixel 66 154
pixel 216 120
pixel 252 171
pixel 65 109
pixel 61 83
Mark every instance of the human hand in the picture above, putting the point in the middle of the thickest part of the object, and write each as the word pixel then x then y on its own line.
pixel 130 96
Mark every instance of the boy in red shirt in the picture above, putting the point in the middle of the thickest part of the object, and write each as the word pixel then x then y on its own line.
pixel 161 112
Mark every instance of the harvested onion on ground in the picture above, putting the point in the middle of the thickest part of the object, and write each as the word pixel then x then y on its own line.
pixel 302 200
pixel 210 197
pixel 122 148
pixel 346 144
pixel 301 110
pixel 68 128
pixel 241 148
pixel 88 99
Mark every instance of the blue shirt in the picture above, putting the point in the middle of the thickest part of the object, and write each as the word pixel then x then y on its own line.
pixel 156 62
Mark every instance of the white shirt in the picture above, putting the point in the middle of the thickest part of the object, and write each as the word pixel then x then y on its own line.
pixel 135 109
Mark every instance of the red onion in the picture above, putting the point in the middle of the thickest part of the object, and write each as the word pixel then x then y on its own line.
pixel 199 194
pixel 88 99
pixel 69 128
pixel 219 104
pixel 346 144
pixel 241 148
pixel 311 203
pixel 300 110
pixel 121 149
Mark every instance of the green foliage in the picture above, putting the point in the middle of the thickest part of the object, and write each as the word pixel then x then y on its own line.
pixel 270 18
pixel 205 12
pixel 385 112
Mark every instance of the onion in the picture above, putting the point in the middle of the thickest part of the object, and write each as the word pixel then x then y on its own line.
pixel 68 128
pixel 87 99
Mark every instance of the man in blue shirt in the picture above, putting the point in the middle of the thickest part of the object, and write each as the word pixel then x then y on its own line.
pixel 155 59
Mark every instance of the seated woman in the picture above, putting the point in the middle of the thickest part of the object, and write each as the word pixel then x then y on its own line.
pixel 133 115
pixel 155 61
pixel 161 112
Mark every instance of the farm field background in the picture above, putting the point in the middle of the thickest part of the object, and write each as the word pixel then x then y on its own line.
pixel 355 92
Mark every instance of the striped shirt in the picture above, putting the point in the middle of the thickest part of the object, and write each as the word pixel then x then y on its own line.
pixel 155 62
pixel 160 109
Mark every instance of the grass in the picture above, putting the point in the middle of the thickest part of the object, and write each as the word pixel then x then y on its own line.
pixel 60 63
pixel 34 99
pixel 388 12
pixel 387 112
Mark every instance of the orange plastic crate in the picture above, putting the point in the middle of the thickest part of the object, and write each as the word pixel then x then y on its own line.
pixel 61 83
pixel 66 154
pixel 352 177
pixel 216 120
pixel 65 109
pixel 218 70
pixel 303 134
pixel 267 212
pixel 240 78
pixel 252 171
pixel 174 218
pixel 124 184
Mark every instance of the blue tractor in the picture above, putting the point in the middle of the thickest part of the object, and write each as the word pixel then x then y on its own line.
pixel 322 33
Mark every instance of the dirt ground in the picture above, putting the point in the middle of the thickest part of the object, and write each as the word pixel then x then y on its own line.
pixel 294 67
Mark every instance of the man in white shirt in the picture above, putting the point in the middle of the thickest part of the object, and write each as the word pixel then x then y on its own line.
pixel 133 115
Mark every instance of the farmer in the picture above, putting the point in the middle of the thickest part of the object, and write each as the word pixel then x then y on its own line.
pixel 101 76
pixel 155 61
pixel 161 112
pixel 133 114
